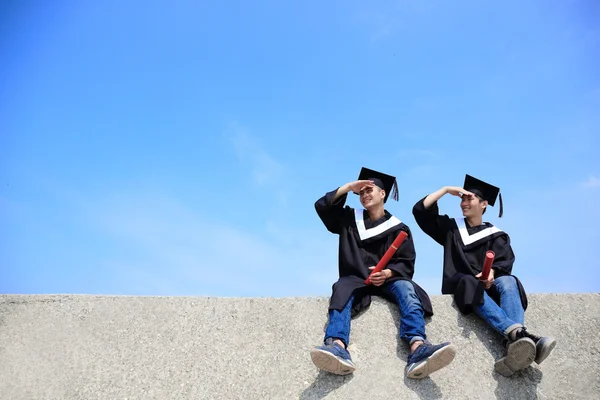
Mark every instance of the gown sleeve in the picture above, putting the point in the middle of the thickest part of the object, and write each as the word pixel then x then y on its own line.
pixel 504 256
pixel 431 222
pixel 332 214
pixel 403 261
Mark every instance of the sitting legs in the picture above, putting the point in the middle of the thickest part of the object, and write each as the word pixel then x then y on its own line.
pixel 508 319
pixel 424 358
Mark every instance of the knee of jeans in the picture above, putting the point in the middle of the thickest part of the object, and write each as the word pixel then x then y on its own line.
pixel 403 289
pixel 402 285
pixel 506 283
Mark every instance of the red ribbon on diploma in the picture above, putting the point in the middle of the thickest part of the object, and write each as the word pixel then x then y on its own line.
pixel 388 254
pixel 487 264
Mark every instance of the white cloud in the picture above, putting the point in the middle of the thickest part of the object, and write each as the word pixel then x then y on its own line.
pixel 173 250
pixel 265 169
pixel 592 182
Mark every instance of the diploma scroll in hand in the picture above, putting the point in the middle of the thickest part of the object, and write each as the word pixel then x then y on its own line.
pixel 388 254
pixel 487 264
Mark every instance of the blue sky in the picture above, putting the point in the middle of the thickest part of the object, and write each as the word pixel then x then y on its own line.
pixel 178 147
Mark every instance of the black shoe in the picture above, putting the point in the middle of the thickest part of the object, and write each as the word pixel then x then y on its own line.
pixel 543 344
pixel 520 353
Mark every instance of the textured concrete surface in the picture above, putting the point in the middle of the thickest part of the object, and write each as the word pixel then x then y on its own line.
pixel 95 347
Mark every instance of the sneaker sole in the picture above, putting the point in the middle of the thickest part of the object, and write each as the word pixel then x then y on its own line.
pixel 520 355
pixel 435 362
pixel 328 362
pixel 544 348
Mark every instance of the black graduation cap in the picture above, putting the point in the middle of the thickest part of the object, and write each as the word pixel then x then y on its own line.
pixel 384 181
pixel 484 190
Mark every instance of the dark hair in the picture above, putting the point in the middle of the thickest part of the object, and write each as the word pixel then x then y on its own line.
pixel 480 200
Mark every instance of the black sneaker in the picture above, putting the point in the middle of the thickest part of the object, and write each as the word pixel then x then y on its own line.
pixel 519 355
pixel 543 344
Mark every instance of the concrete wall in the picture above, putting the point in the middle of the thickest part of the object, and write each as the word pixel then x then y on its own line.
pixel 101 347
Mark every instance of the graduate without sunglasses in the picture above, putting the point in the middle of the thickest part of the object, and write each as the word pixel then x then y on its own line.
pixel 364 237
pixel 499 299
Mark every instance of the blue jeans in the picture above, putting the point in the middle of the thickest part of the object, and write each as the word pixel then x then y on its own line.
pixel 509 314
pixel 412 321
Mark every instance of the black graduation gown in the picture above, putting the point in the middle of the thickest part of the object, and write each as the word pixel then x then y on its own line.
pixel 362 244
pixel 464 253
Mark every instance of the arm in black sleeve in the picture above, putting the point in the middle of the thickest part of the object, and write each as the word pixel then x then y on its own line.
pixel 403 260
pixel 431 222
pixel 504 256
pixel 332 213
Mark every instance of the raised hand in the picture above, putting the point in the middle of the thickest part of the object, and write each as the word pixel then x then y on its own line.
pixel 357 186
pixel 458 191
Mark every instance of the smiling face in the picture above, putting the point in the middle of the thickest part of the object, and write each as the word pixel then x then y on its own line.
pixel 371 197
pixel 472 206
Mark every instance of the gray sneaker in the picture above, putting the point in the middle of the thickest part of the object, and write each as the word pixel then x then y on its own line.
pixel 519 355
pixel 543 344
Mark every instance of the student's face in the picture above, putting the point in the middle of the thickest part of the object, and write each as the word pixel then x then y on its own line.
pixel 472 206
pixel 370 197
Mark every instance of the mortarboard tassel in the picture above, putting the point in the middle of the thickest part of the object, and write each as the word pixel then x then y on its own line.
pixel 394 193
pixel 501 209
